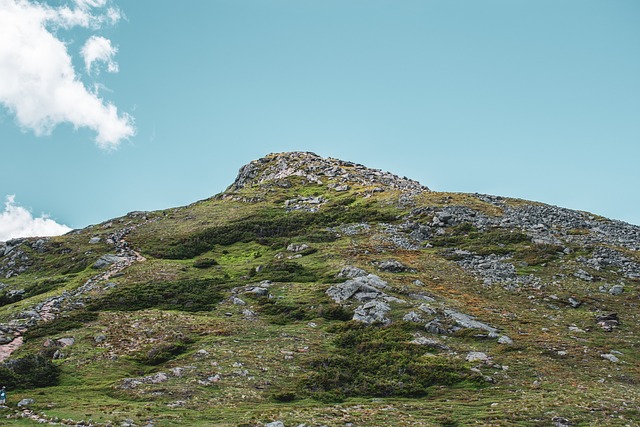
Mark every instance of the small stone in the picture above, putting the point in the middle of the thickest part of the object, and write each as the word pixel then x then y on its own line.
pixel 574 302
pixel 275 424
pixel 259 291
pixel 94 240
pixel 560 422
pixel 412 316
pixel 26 402
pixel 249 314
pixel 351 272
pixel 616 290
pixel 583 275
pixel 160 377
pixel 503 339
pixel 237 301
pixel 297 247
pixel 477 356
pixel 610 357
pixel 392 266
pixel 435 327
pixel 65 342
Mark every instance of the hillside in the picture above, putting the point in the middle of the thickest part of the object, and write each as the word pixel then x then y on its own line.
pixel 320 292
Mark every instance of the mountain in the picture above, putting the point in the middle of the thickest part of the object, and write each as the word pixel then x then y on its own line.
pixel 320 292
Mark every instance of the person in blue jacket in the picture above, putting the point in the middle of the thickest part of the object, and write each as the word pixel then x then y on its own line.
pixel 3 395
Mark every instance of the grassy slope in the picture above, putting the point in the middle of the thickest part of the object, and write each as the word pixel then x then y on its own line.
pixel 259 358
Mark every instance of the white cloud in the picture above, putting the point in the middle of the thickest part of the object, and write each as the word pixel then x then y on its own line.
pixel 37 80
pixel 99 49
pixel 16 221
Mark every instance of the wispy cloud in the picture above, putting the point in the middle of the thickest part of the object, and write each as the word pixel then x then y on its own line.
pixel 38 82
pixel 17 221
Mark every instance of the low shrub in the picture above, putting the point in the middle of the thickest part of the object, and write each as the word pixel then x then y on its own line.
pixel 269 224
pixel 163 352
pixel 334 311
pixel 537 254
pixel 34 288
pixel 204 263
pixel 284 396
pixel 29 372
pixel 493 241
pixel 186 295
pixel 380 361
pixel 288 271
pixel 66 322
pixel 282 313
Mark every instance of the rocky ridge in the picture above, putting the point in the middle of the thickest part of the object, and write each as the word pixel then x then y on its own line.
pixel 338 174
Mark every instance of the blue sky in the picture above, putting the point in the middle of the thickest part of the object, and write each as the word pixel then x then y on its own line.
pixel 532 99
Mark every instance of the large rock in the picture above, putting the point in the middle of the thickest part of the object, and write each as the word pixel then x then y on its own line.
pixel 106 260
pixel 370 284
pixel 392 266
pixel 350 272
pixel 297 247
pixel 372 312
pixel 466 321
pixel 26 402
pixel 477 356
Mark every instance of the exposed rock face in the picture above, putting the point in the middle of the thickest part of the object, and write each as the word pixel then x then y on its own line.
pixel 338 174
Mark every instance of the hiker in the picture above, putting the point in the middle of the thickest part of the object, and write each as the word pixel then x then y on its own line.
pixel 3 395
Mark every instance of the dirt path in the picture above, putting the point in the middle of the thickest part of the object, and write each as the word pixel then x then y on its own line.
pixel 7 349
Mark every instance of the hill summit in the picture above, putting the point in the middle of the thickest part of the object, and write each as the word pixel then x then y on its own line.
pixel 320 292
pixel 315 169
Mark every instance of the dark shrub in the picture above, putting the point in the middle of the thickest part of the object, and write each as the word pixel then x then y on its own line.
pixel 187 295
pixel 66 322
pixel 380 361
pixel 493 241
pixel 287 271
pixel 204 263
pixel 163 352
pixel 269 224
pixel 29 372
pixel 284 396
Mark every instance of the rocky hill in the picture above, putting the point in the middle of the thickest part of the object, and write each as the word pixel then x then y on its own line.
pixel 320 292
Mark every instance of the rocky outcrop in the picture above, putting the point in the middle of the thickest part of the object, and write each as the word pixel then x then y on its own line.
pixel 375 305
pixel 339 175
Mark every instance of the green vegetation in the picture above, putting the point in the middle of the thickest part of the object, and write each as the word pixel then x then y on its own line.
pixel 267 225
pixel 186 295
pixel 29 372
pixel 495 241
pixel 283 312
pixel 66 322
pixel 33 288
pixel 380 361
pixel 204 263
pixel 164 351
pixel 286 271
